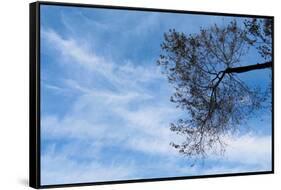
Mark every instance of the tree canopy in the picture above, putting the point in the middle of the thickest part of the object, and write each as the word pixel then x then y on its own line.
pixel 204 70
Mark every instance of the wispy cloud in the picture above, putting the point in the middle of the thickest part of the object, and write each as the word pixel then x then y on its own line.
pixel 250 149
pixel 59 168
pixel 134 120
pixel 117 73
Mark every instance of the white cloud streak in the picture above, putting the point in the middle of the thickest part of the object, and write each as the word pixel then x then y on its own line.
pixel 249 149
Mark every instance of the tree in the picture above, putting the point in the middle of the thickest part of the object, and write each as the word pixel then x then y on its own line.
pixel 204 69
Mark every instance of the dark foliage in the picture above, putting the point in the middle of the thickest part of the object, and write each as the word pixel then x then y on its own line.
pixel 259 33
pixel 204 70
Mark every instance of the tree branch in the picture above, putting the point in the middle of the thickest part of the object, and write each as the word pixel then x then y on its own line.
pixel 249 68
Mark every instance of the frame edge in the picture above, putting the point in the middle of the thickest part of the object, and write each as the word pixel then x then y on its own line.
pixel 34 166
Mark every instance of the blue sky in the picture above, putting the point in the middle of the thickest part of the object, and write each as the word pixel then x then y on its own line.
pixel 105 108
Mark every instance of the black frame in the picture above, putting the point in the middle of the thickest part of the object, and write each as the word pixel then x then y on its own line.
pixel 34 94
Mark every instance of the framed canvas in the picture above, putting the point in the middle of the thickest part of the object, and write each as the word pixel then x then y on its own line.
pixel 123 94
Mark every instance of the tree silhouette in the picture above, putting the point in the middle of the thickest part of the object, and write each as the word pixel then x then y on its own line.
pixel 204 69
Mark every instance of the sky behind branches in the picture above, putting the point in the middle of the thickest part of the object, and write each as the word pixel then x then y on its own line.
pixel 105 105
